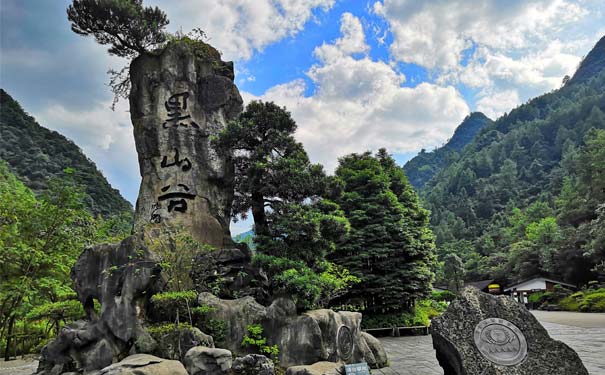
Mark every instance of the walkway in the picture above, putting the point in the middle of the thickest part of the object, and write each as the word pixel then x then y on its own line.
pixel 585 333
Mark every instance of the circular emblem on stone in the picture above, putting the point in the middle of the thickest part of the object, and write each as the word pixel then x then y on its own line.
pixel 500 341
pixel 344 342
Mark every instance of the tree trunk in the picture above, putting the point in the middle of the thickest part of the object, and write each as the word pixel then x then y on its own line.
pixel 11 323
pixel 258 213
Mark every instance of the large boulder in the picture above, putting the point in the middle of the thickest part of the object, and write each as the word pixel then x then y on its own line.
pixel 180 98
pixel 144 364
pixel 374 354
pixel 314 336
pixel 177 342
pixel 200 360
pixel 120 277
pixel 232 270
pixel 482 334
pixel 236 314
pixel 253 364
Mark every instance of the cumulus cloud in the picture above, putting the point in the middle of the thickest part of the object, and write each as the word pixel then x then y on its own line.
pixel 238 28
pixel 435 34
pixel 360 104
pixel 514 49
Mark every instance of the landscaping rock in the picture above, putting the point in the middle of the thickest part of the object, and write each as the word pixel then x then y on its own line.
pixel 175 344
pixel 319 368
pixel 376 356
pixel 314 336
pixel 200 360
pixel 482 334
pixel 253 364
pixel 120 277
pixel 144 364
pixel 233 271
pixel 237 314
pixel 178 102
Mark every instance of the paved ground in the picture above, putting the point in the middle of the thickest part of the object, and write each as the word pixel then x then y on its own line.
pixel 585 333
pixel 414 355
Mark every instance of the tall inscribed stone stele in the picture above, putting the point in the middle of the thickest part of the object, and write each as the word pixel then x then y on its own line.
pixel 180 98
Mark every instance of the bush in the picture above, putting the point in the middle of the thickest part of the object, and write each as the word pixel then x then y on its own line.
pixel 593 301
pixel 309 288
pixel 420 315
pixel 171 306
pixel 255 339
pixel 445 295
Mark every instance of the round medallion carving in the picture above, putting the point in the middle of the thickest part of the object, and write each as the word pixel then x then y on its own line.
pixel 500 342
pixel 344 342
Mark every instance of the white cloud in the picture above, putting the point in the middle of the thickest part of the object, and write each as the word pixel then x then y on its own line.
pixel 519 46
pixel 494 104
pixel 360 104
pixel 240 27
pixel 435 34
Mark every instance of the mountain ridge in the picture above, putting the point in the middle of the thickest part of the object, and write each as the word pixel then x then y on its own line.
pixel 35 154
pixel 421 168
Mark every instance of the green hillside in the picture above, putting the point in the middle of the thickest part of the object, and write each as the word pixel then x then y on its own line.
pixel 34 154
pixel 425 165
pixel 526 196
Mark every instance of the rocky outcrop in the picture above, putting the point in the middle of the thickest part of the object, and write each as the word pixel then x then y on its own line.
pixel 314 336
pixel 494 335
pixel 232 270
pixel 181 97
pixel 120 277
pixel 253 364
pixel 176 343
pixel 237 315
pixel 144 364
pixel 374 353
pixel 319 368
pixel 200 360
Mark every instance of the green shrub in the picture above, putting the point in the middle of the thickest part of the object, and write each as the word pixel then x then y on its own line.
pixel 172 306
pixel 445 295
pixel 594 301
pixel 255 339
pixel 569 304
pixel 420 315
pixel 309 288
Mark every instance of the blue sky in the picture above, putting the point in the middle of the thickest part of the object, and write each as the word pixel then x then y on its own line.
pixel 356 75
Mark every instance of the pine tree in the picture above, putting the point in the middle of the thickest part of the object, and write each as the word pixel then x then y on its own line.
pixel 390 246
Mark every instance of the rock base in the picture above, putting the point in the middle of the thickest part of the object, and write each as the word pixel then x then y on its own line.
pixel 482 334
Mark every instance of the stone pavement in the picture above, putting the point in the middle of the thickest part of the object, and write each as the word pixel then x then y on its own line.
pixel 583 332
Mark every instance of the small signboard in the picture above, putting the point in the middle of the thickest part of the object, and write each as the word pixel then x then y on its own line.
pixel 357 369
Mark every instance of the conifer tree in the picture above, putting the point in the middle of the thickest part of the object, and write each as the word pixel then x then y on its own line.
pixel 390 246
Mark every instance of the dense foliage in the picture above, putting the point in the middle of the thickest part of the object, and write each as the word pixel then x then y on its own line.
pixel 36 154
pixel 421 168
pixel 295 228
pixel 40 239
pixel 525 198
pixel 126 25
pixel 390 247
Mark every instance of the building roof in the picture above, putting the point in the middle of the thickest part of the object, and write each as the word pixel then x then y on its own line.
pixel 538 278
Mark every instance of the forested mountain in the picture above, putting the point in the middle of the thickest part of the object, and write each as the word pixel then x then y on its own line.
pixel 527 195
pixel 425 165
pixel 35 154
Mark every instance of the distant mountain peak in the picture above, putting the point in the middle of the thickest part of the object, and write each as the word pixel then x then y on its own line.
pixel 593 63
pixel 466 131
pixel 425 165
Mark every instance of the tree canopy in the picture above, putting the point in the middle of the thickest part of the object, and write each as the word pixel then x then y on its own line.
pixel 390 247
pixel 128 27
